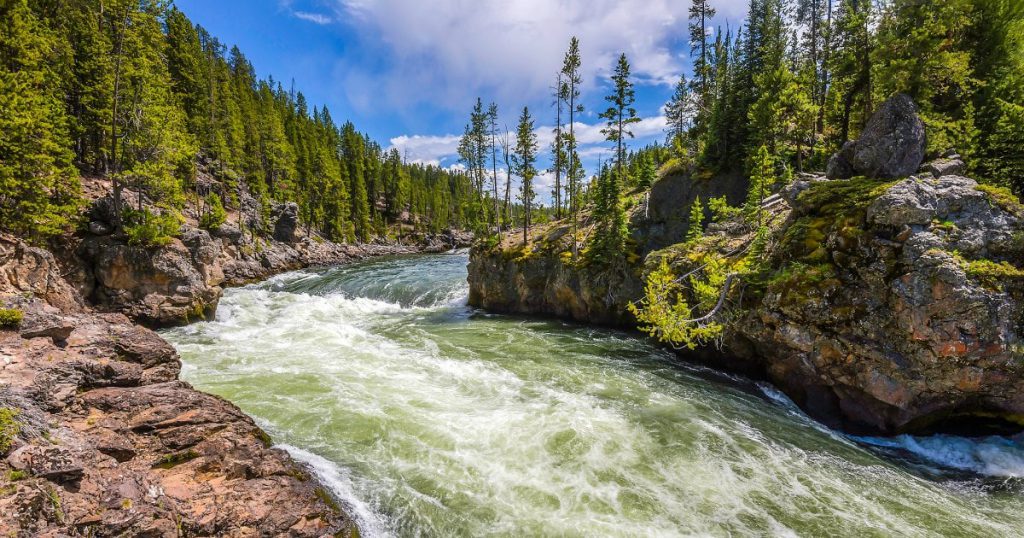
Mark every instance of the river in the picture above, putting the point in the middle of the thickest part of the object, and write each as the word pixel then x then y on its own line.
pixel 429 418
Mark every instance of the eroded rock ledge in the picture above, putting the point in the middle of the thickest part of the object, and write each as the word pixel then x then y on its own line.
pixel 101 438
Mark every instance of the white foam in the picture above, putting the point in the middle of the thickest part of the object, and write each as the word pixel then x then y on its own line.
pixel 371 524
pixel 992 456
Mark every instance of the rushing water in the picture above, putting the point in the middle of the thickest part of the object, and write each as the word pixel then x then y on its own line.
pixel 428 418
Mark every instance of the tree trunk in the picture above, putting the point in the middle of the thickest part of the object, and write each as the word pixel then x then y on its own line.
pixel 112 163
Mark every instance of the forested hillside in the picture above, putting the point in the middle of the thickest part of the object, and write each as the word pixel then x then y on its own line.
pixel 777 96
pixel 134 91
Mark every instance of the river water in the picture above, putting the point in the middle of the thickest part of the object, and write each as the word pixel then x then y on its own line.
pixel 428 418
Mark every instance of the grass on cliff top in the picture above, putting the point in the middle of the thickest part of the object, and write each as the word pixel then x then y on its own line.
pixel 842 196
pixel 1003 198
pixel 834 208
pixel 555 238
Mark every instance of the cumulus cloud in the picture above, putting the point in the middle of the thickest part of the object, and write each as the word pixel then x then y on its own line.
pixel 424 149
pixel 446 52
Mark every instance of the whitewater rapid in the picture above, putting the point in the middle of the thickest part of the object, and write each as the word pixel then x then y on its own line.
pixel 427 418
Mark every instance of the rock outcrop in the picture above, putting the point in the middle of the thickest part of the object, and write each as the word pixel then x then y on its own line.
pixel 892 144
pixel 664 218
pixel 894 306
pixel 544 279
pixel 104 440
pixel 168 285
pixel 286 222
pixel 541 281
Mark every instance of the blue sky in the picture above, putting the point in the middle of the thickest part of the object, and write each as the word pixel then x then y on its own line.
pixel 408 71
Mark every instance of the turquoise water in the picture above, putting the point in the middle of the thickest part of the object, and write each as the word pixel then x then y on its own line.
pixel 428 418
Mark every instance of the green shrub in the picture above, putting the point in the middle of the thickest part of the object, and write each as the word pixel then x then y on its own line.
pixel 215 214
pixel 721 210
pixel 145 228
pixel 9 428
pixel 10 318
pixel 992 274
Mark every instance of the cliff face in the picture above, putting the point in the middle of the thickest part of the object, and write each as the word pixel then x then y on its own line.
pixel 884 305
pixel 541 282
pixel 894 306
pixel 544 279
pixel 98 435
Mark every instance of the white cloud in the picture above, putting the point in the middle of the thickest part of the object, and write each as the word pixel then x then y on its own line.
pixel 446 52
pixel 316 18
pixel 426 149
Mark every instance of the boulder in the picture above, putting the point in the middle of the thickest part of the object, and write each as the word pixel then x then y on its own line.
pixel 229 232
pixel 56 328
pixel 30 270
pixel 164 286
pixel 286 218
pixel 945 167
pixel 906 302
pixel 891 146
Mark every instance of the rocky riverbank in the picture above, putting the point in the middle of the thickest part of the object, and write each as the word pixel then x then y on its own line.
pixel 101 438
pixel 98 436
pixel 885 305
pixel 181 282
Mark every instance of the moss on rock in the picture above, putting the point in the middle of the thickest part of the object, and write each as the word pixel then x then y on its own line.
pixel 9 428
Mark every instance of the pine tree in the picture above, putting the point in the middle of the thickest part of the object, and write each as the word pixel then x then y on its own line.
pixel 815 16
pixel 353 148
pixel 473 151
pixel 679 111
pixel 558 146
pixel 922 51
pixel 572 80
pixel 716 145
pixel 695 230
pixel 492 144
pixel 850 71
pixel 525 157
pixel 646 173
pixel 772 76
pixel 1006 146
pixel 701 14
pixel 611 232
pixel 762 178
pixel 38 187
